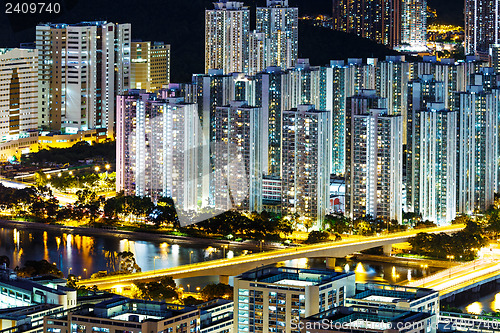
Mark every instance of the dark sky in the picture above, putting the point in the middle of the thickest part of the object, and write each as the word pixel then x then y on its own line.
pixel 177 22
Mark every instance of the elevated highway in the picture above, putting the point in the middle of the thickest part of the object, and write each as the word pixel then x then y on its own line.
pixel 235 266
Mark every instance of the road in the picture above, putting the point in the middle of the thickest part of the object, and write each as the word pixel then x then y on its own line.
pixel 63 198
pixel 237 265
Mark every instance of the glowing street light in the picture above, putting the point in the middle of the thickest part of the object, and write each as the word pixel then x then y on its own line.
pixel 48 176
pixel 190 255
pixel 451 257
pixel 154 263
pixel 59 175
pixel 71 173
pixel 224 247
pixel 97 169
pixel 85 270
pixel 107 166
pixel 69 271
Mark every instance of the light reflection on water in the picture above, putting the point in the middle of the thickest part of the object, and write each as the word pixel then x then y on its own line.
pixel 486 304
pixel 79 252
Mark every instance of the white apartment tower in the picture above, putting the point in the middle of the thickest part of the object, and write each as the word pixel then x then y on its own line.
pixel 306 162
pixel 237 157
pixel 477 146
pixel 438 152
pixel 157 149
pixel 280 26
pixel 227 29
pixel 374 159
pixel 414 25
pixel 482 25
pixel 19 86
pixel 81 69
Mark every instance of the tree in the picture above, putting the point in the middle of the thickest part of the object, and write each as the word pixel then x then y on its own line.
pixel 163 290
pixel 338 224
pixel 213 291
pixel 34 268
pixel 317 237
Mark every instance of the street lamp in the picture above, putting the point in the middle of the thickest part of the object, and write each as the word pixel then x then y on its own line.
pixel 71 173
pixel 198 289
pixel 154 263
pixel 189 288
pixel 190 254
pixel 85 270
pixel 69 271
pixel 59 175
pixel 451 257
pixel 261 242
pixel 107 166
pixel 97 169
pixel 424 267
pixel 48 176
pixel 224 247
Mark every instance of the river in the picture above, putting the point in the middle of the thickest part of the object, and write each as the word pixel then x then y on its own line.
pixel 83 255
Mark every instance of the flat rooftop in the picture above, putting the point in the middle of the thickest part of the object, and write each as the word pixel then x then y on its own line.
pixel 293 276
pixel 359 319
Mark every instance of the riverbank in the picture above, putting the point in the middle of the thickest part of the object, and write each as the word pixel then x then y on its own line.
pixel 136 235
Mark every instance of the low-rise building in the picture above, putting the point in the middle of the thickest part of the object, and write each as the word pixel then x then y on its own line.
pixel 359 319
pixel 126 315
pixel 380 296
pixel 269 299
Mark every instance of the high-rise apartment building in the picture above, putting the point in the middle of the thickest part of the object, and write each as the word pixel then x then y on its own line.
pixel 495 57
pixel 237 158
pixel 19 86
pixel 393 75
pixel 272 87
pixel 280 26
pixel 374 158
pixel 150 65
pixel 306 163
pixel 343 81
pixel 271 299
pixel 227 29
pixel 157 149
pixel 414 25
pixel 421 93
pixel 477 146
pixel 482 25
pixel 256 53
pixel 436 136
pixel 212 90
pixel 378 20
pixel 81 69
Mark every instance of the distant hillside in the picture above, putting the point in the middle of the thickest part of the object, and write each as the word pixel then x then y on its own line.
pixel 321 45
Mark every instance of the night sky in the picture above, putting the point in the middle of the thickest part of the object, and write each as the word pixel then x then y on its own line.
pixel 179 23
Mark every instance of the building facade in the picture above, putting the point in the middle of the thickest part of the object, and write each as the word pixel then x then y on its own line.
pixel 280 26
pixel 477 146
pixel 438 153
pixel 482 25
pixel 19 86
pixel 373 159
pixel 227 29
pixel 270 299
pixel 378 20
pixel 81 69
pixel 237 158
pixel 414 25
pixel 158 143
pixel 150 65
pixel 306 163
